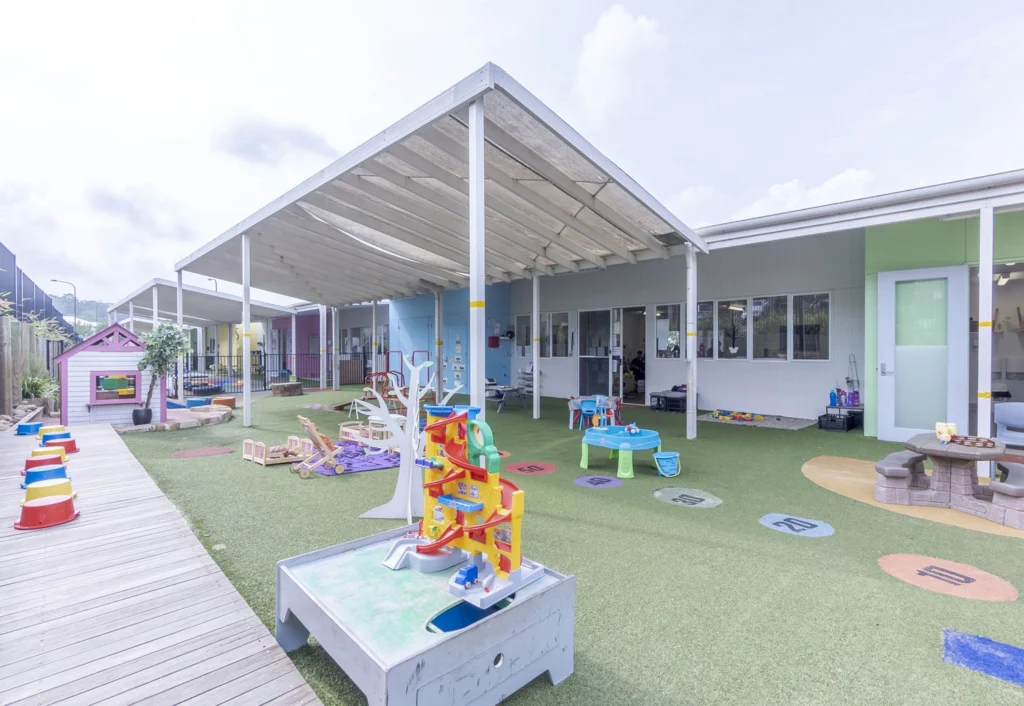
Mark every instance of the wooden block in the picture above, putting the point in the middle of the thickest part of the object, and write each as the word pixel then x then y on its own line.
pixel 225 401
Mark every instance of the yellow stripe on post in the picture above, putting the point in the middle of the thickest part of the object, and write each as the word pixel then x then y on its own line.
pixel 985 324
pixel 438 343
pixel 536 340
pixel 691 333
pixel 984 395
pixel 477 304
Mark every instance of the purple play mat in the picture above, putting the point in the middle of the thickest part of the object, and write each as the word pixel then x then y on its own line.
pixel 355 459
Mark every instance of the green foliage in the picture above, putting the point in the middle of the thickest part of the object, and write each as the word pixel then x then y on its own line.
pixel 163 346
pixel 6 305
pixel 37 383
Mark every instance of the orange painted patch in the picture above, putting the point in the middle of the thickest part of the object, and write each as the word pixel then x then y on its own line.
pixel 948 577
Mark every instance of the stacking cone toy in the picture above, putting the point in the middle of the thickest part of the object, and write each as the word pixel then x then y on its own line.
pixel 46 512
pixel 34 475
pixel 46 488
pixel 28 428
pixel 68 445
pixel 37 461
pixel 52 451
pixel 46 438
pixel 48 430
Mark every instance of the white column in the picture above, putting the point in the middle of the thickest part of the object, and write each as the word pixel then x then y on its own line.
pixel 201 349
pixel 180 321
pixel 691 342
pixel 322 309
pixel 986 238
pixel 477 279
pixel 131 316
pixel 246 337
pixel 335 347
pixel 154 308
pixel 373 338
pixel 295 357
pixel 535 344
pixel 438 345
pixel 110 318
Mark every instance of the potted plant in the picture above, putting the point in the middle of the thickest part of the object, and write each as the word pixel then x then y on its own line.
pixel 163 346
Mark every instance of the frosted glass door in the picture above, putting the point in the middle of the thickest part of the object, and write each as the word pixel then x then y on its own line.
pixel 922 350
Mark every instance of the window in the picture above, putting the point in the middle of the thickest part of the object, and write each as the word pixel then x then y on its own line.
pixel 560 335
pixel 545 335
pixel 705 329
pixel 595 333
pixel 523 336
pixel 810 326
pixel 770 328
pixel 666 324
pixel 732 329
pixel 115 387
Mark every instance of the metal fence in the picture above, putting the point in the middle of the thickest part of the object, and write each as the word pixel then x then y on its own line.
pixel 29 300
pixel 214 375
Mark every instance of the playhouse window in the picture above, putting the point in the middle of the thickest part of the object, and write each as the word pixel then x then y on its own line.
pixel 115 387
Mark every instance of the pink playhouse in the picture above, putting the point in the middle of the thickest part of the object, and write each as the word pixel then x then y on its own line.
pixel 100 381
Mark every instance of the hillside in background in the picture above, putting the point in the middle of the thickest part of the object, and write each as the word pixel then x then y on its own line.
pixel 88 310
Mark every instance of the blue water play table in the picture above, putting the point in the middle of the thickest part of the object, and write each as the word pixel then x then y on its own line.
pixel 621 443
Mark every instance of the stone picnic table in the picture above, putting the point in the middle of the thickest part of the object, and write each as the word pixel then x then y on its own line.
pixel 954 479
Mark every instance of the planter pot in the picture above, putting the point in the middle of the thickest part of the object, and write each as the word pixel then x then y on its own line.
pixel 142 416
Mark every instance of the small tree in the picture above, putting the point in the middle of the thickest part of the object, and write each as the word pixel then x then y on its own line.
pixel 163 346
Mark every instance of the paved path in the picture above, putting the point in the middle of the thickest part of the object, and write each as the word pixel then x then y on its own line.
pixel 124 605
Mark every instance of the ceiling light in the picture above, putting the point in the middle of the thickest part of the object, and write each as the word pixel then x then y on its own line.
pixel 735 307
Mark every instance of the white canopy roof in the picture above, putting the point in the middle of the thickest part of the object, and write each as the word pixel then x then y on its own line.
pixel 389 219
pixel 200 307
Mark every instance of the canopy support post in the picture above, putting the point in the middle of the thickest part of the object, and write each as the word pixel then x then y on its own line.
pixel 477 274
pixel 181 356
pixel 335 346
pixel 535 344
pixel 131 316
pixel 373 338
pixel 691 342
pixel 295 352
pixel 986 236
pixel 246 337
pixel 322 357
pixel 438 344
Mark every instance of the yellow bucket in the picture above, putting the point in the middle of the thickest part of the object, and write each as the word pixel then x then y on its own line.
pixel 45 488
pixel 52 451
pixel 49 430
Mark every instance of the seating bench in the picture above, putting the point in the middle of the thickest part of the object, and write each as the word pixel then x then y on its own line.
pixel 898 473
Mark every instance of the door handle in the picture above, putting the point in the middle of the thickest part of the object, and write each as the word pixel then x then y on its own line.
pixel 883 371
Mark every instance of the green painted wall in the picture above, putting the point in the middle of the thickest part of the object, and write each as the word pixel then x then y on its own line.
pixel 915 245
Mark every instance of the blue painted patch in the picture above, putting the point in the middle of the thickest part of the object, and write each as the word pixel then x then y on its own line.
pixel 980 654
pixel 799 526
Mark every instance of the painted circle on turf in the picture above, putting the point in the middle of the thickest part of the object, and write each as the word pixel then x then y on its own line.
pixel 687 497
pixel 598 482
pixel 948 577
pixel 531 468
pixel 504 454
pixel 798 526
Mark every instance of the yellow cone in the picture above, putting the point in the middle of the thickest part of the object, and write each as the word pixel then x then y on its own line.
pixel 49 430
pixel 44 488
pixel 52 451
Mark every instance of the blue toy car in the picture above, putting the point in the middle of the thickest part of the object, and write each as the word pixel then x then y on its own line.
pixel 467 576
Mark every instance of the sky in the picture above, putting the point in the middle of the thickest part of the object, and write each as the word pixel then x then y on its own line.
pixel 133 133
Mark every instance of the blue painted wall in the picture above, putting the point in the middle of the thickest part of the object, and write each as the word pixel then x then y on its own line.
pixel 411 323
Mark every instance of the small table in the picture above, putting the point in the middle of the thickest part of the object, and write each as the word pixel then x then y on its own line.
pixel 954 480
pixel 505 393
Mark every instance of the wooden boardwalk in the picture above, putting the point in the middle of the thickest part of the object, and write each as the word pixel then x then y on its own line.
pixel 124 605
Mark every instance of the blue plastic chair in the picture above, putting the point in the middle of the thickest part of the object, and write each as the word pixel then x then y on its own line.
pixel 588 408
pixel 602 409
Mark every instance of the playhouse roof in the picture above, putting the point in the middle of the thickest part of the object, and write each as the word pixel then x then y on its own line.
pixel 113 337
pixel 390 218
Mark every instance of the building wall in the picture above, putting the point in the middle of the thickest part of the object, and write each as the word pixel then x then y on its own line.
pixel 832 263
pixel 915 245
pixel 411 323
pixel 308 324
pixel 80 367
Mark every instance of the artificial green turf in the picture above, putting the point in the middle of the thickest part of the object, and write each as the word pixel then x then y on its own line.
pixel 674 605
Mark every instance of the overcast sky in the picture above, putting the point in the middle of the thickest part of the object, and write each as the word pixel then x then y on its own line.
pixel 132 133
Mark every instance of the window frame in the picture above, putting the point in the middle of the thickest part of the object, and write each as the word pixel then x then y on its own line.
pixel 94 374
pixel 792 350
pixel 527 350
pixel 789 329
pixel 682 330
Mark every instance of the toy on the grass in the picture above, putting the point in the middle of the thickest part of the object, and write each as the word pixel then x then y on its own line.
pixel 404 434
pixel 265 455
pixel 729 416
pixel 667 463
pixel 945 431
pixel 621 442
pixel 472 515
pixel 324 452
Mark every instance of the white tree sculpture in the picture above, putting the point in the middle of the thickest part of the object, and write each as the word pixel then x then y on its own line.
pixel 407 502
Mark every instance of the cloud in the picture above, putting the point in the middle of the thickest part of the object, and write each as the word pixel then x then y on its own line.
pixel 263 142
pixel 616 55
pixel 147 214
pixel 696 205
pixel 118 206
pixel 792 195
